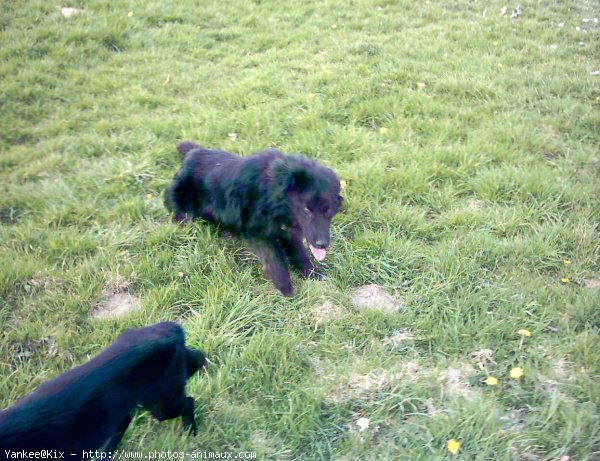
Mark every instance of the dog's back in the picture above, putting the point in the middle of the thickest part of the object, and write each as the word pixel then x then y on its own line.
pixel 89 406
pixel 212 184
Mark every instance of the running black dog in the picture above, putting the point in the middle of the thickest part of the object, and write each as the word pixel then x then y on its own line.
pixel 89 407
pixel 271 199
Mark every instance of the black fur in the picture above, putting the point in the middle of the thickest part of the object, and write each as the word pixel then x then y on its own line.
pixel 89 407
pixel 271 199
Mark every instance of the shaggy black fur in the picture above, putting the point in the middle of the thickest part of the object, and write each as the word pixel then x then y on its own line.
pixel 271 199
pixel 89 407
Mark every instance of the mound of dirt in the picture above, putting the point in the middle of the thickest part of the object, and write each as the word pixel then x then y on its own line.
pixel 376 297
pixel 116 301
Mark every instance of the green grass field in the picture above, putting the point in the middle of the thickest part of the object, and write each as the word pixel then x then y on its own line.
pixel 469 144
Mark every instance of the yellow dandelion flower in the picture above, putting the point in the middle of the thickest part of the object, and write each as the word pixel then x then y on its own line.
pixel 333 26
pixel 149 196
pixel 421 85
pixel 496 43
pixel 428 96
pixel 383 130
pixel 566 262
pixel 524 332
pixel 130 14
pixel 500 66
pixel 516 373
pixel 565 280
pixel 343 184
pixel 312 95
pixel 453 446
pixel 491 381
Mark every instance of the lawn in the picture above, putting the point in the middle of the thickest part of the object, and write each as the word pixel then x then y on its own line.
pixel 468 142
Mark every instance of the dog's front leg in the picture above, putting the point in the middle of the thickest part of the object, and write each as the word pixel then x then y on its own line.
pixel 274 264
pixel 187 416
pixel 295 251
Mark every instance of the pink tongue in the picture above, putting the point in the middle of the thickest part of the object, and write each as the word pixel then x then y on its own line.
pixel 318 253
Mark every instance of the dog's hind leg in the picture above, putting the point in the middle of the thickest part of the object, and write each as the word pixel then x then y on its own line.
pixel 274 264
pixel 118 435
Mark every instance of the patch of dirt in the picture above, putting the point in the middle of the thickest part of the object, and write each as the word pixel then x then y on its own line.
pixel 592 283
pixel 361 385
pixel 317 364
pixel 49 346
pixel 455 381
pixel 428 217
pixel 482 357
pixel 524 453
pixel 512 420
pixel 118 285
pixel 372 381
pixel 398 337
pixel 22 351
pixel 40 282
pixel 116 301
pixel 474 204
pixel 560 368
pixel 376 297
pixel 326 312
pixel 68 12
pixel 561 372
pixel 115 306
pixel 432 410
pixel 410 370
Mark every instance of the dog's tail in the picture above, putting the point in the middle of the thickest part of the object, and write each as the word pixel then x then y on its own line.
pixel 186 146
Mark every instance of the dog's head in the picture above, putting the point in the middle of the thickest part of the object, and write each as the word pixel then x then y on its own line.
pixel 195 361
pixel 313 194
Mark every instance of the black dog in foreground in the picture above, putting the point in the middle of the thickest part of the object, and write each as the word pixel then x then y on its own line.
pixel 89 407
pixel 271 199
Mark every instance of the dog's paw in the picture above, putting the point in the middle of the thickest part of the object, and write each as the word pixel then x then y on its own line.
pixel 286 290
pixel 312 273
pixel 179 218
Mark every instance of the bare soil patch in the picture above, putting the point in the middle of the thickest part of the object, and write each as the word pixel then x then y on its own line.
pixel 116 301
pixel 68 12
pixel 592 283
pixel 326 312
pixel 455 381
pixel 376 297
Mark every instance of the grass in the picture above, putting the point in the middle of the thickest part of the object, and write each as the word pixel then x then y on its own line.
pixel 469 143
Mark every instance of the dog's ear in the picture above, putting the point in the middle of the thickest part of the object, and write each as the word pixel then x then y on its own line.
pixel 298 180
pixel 186 146
pixel 289 173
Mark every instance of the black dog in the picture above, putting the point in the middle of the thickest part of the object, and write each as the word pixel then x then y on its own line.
pixel 271 199
pixel 89 407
